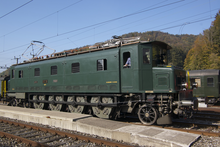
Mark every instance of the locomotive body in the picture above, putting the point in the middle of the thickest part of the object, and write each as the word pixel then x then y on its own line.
pixel 98 82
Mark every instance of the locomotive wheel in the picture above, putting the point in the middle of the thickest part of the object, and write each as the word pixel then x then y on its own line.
pixel 104 112
pixel 77 108
pixel 147 115
pixel 39 105
pixel 54 106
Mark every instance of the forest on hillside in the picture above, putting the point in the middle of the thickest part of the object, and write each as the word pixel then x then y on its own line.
pixel 205 53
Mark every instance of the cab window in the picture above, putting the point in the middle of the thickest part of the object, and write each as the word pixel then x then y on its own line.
pixel 20 74
pixel 146 55
pixel 127 59
pixel 12 73
pixel 159 56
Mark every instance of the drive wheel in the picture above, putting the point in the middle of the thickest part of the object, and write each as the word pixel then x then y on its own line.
pixel 76 108
pixel 102 112
pixel 53 106
pixel 39 105
pixel 147 115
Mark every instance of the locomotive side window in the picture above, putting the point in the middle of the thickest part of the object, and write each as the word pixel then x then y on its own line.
pixel 53 70
pixel 127 59
pixel 75 67
pixel 159 56
pixel 13 73
pixel 20 74
pixel 37 72
pixel 101 64
pixel 210 82
pixel 146 55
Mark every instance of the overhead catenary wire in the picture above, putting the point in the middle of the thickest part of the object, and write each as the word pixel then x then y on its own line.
pixel 15 9
pixel 114 19
pixel 41 18
pixel 97 24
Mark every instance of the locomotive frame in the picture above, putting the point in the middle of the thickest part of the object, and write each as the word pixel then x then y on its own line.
pixel 96 82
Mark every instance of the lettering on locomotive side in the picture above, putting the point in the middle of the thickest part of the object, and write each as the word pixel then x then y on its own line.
pixel 149 91
pixel 111 81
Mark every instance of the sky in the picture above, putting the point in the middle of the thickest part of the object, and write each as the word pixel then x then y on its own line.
pixel 68 24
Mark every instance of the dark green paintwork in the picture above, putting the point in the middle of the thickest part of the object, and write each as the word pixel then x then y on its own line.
pixel 140 78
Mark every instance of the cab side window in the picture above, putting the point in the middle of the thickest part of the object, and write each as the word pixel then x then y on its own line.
pixel 127 59
pixel 12 73
pixel 146 55
pixel 20 74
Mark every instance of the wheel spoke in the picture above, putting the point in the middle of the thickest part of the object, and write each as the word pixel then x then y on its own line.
pixel 147 114
pixel 75 108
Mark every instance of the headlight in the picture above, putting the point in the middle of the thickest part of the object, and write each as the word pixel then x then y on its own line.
pixel 184 85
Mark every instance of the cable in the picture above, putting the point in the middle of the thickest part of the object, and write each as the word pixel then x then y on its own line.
pixel 185 24
pixel 93 24
pixel 107 21
pixel 16 9
pixel 41 18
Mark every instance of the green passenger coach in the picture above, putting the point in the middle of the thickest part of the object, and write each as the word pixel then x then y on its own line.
pixel 208 84
pixel 100 82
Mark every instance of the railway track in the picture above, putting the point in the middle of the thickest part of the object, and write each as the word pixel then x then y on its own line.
pixel 44 137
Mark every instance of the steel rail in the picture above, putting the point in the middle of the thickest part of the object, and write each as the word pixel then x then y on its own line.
pixel 66 134
pixel 23 140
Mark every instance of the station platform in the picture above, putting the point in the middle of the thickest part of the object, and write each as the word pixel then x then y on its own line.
pixel 142 135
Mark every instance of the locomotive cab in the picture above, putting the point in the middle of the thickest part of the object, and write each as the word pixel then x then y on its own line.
pixel 164 89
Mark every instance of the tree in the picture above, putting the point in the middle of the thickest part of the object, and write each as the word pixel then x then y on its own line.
pixel 205 53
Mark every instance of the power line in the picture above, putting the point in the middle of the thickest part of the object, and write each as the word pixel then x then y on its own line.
pixel 114 19
pixel 16 9
pixel 93 24
pixel 185 24
pixel 41 18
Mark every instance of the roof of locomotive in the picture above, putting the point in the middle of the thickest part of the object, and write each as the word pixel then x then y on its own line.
pixel 71 53
pixel 205 72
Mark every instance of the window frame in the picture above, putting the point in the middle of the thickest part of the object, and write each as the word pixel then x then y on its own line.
pixel 75 67
pixel 210 84
pixel 36 73
pixel 126 55
pixel 101 64
pixel 20 74
pixel 145 56
pixel 13 73
pixel 53 70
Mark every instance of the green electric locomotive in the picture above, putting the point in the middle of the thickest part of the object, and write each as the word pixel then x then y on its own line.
pixel 112 81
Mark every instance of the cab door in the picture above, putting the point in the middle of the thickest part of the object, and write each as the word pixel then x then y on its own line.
pixel 127 71
pixel 145 60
